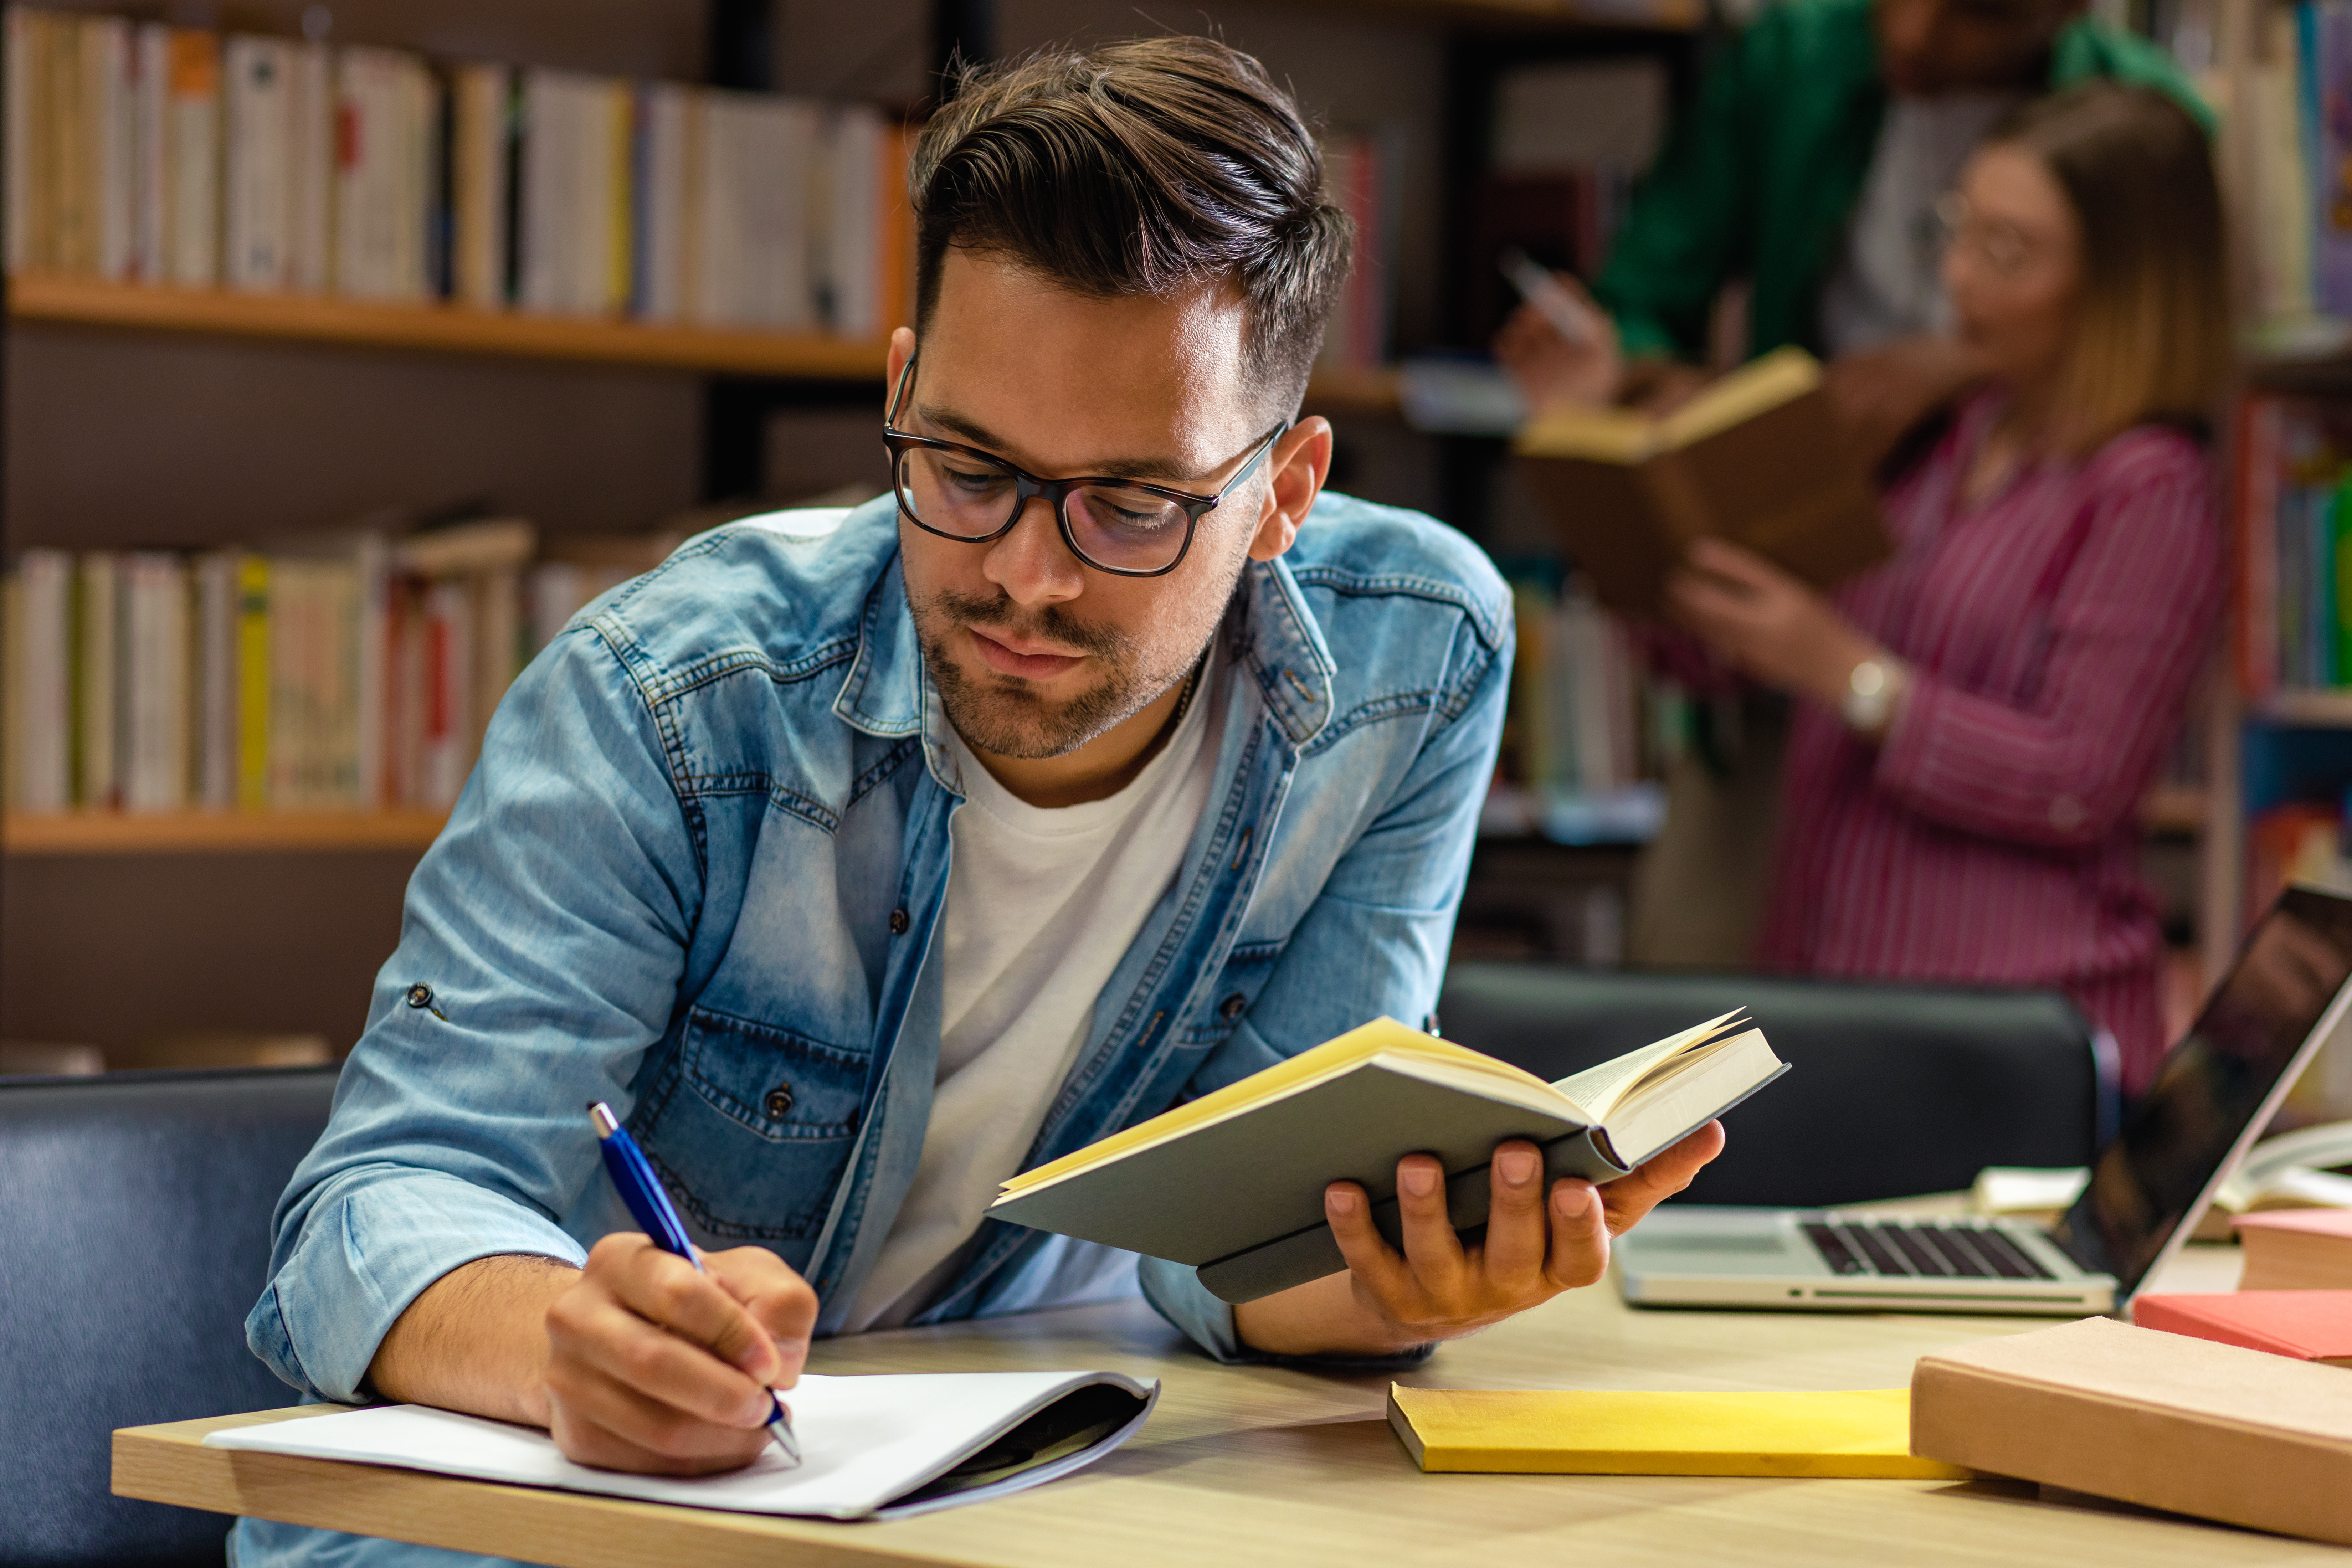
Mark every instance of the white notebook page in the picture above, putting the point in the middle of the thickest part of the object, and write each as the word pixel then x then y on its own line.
pixel 866 1441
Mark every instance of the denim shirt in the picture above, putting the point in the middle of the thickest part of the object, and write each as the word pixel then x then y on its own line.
pixel 699 873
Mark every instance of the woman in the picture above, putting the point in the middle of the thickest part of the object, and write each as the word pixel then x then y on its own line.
pixel 1978 719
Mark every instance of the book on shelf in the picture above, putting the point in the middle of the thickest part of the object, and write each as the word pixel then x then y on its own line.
pixel 2159 1419
pixel 2301 1325
pixel 1577 695
pixel 1360 178
pixel 2296 1249
pixel 1755 458
pixel 1232 1184
pixel 349 672
pixel 146 154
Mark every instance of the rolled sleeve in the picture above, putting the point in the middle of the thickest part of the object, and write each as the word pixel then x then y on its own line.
pixel 372 1244
pixel 543 940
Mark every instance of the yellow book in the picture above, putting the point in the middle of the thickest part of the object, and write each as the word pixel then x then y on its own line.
pixel 1863 1434
pixel 252 683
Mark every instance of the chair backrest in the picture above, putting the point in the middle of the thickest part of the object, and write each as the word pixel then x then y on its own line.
pixel 134 1235
pixel 1893 1090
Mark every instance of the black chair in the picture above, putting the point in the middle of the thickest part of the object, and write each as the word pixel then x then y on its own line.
pixel 1893 1090
pixel 134 1235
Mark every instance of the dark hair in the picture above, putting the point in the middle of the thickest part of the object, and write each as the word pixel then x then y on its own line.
pixel 1139 168
pixel 2151 339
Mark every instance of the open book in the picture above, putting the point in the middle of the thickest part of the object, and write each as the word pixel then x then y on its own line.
pixel 1755 458
pixel 874 1447
pixel 1232 1183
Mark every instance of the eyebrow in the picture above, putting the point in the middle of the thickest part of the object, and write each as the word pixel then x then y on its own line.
pixel 1159 469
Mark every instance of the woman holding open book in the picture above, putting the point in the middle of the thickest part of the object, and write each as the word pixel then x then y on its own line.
pixel 1980 716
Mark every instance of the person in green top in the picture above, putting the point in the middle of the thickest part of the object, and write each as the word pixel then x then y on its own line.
pixel 1810 165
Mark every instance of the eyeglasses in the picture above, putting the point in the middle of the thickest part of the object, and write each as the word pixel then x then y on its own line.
pixel 2004 247
pixel 1123 527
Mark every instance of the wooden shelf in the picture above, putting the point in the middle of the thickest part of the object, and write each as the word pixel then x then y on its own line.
pixel 207 832
pixel 451 329
pixel 441 329
pixel 2328 709
pixel 1356 390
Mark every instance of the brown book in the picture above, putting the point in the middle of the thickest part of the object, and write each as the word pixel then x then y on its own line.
pixel 1755 458
pixel 2158 1419
pixel 2296 1249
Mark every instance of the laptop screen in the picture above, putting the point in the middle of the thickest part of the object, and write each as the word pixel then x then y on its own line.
pixel 2211 1087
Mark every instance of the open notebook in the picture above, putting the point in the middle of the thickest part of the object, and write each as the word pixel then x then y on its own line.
pixel 1232 1183
pixel 874 1448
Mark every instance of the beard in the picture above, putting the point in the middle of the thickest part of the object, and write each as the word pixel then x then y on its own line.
pixel 1006 716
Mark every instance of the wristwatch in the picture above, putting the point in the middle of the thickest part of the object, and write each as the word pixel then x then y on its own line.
pixel 1872 690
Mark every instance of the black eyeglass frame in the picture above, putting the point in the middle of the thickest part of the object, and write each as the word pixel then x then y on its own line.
pixel 1028 485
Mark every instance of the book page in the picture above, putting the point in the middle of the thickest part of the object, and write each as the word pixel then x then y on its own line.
pixel 866 1441
pixel 1598 1090
pixel 1602 434
pixel 1782 377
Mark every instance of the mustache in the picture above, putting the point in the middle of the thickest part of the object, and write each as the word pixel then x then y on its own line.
pixel 1051 624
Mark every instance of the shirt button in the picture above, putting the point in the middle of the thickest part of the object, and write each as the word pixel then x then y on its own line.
pixel 899 922
pixel 779 1103
pixel 420 996
pixel 1231 1008
pixel 2067 814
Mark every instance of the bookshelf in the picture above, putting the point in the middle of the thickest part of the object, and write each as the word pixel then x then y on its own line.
pixel 208 833
pixel 446 329
pixel 55 298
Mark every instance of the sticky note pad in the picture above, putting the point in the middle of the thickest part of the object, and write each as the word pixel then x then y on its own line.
pixel 1865 1433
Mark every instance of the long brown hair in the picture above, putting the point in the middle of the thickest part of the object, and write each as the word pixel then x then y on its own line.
pixel 2152 335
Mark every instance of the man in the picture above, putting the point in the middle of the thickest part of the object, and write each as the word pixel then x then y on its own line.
pixel 859 870
pixel 1810 165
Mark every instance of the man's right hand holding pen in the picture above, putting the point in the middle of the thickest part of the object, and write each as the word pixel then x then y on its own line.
pixel 636 1362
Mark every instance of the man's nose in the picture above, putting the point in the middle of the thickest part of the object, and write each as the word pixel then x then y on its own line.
pixel 1031 563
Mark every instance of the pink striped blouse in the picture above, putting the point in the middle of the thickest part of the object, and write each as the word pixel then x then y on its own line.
pixel 2054 631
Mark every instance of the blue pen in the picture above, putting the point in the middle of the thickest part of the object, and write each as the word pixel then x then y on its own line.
pixel 650 1205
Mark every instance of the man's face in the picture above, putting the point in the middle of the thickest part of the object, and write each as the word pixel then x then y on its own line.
pixel 1034 653
pixel 1927 47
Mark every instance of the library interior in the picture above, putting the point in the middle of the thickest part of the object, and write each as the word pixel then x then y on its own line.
pixel 1666 686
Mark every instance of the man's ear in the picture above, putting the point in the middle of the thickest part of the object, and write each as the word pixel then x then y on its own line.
pixel 1297 468
pixel 902 349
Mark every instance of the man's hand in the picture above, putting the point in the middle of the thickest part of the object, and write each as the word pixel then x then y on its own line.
pixel 1536 1246
pixel 662 1370
pixel 1878 396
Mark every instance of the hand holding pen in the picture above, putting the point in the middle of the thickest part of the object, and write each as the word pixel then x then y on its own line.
pixel 663 1358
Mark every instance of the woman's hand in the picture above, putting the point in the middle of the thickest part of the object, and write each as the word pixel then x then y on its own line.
pixel 1552 372
pixel 1769 623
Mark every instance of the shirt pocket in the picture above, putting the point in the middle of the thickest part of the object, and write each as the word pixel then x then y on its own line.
pixel 758 1133
pixel 1247 969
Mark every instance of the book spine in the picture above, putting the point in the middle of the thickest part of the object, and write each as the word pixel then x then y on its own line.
pixel 108 58
pixel 44 647
pixel 256 196
pixel 151 78
pixel 372 674
pixel 216 683
pixel 27 137
pixel 193 153
pixel 253 657
pixel 97 685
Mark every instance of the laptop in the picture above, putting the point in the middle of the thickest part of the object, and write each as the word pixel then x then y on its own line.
pixel 2214 1093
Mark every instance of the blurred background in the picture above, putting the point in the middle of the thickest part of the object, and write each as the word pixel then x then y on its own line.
pixel 331 391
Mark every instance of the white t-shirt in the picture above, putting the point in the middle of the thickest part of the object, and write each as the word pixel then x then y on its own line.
pixel 1888 283
pixel 1042 905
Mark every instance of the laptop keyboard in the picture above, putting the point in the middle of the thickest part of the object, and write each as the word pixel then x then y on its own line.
pixel 1922 1250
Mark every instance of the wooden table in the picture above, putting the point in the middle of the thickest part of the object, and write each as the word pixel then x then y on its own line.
pixel 1256 1465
